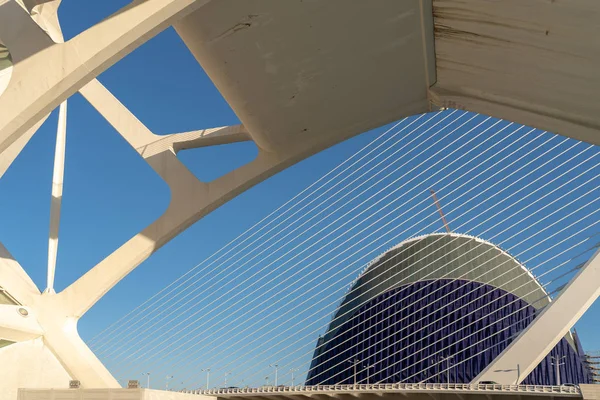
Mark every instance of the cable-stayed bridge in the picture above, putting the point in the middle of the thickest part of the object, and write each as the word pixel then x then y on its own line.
pixel 426 391
pixel 358 280
pixel 266 297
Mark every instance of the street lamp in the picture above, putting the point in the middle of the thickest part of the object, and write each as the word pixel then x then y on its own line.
pixel 556 361
pixel 369 368
pixel 436 363
pixel 276 366
pixel 167 379
pixel 147 379
pixel 354 362
pixel 448 359
pixel 207 370
pixel 226 375
pixel 292 372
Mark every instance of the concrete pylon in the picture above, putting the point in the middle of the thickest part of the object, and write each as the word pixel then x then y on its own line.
pixel 57 191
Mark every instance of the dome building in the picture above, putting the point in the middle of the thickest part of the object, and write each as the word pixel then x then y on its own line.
pixel 437 308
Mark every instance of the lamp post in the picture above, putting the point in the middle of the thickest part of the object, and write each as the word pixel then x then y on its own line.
pixel 556 361
pixel 292 372
pixel 369 368
pixel 207 370
pixel 436 363
pixel 448 360
pixel 355 362
pixel 147 379
pixel 167 379
pixel 226 375
pixel 276 366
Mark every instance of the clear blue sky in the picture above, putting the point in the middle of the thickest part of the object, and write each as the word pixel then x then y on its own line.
pixel 110 193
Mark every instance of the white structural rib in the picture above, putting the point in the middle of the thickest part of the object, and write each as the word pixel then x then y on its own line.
pixel 190 198
pixel 57 190
pixel 535 342
pixel 38 85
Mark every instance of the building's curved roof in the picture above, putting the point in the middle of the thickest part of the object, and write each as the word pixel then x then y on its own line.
pixel 441 255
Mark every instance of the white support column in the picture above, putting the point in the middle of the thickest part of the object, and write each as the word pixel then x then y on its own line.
pixel 538 339
pixel 57 190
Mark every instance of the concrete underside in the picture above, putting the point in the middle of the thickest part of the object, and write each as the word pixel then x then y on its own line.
pixel 292 70
pixel 533 62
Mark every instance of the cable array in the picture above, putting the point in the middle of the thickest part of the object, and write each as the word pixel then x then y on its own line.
pixel 283 297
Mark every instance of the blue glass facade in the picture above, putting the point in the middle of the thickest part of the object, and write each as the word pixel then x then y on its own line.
pixel 434 331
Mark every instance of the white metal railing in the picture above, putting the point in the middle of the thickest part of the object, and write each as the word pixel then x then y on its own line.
pixel 392 387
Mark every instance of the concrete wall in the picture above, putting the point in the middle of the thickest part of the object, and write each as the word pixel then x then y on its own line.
pixel 590 392
pixel 106 394
pixel 29 364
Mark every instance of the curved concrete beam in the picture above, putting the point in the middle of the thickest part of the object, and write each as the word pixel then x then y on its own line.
pixel 191 199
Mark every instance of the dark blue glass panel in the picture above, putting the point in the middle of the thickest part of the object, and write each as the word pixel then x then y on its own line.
pixel 434 331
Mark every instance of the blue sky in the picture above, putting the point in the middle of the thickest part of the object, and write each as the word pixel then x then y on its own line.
pixel 110 193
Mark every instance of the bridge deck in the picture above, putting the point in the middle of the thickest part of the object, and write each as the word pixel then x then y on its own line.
pixel 402 388
pixel 425 391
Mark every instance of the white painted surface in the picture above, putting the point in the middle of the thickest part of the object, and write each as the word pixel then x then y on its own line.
pixel 57 191
pixel 533 62
pixel 29 364
pixel 590 392
pixel 296 70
